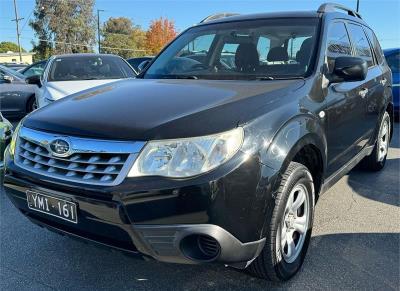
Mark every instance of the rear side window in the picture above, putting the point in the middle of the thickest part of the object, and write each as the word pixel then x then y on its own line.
pixel 375 43
pixel 361 44
pixel 338 43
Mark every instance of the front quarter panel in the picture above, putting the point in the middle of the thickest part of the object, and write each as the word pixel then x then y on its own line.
pixel 298 132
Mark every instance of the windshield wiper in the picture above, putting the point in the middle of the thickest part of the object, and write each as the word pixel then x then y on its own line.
pixel 190 77
pixel 263 78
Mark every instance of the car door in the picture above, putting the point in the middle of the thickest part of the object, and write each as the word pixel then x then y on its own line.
pixel 373 86
pixel 345 105
pixel 14 93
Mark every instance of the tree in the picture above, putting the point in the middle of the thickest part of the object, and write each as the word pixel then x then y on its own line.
pixel 63 26
pixel 6 46
pixel 40 26
pixel 123 38
pixel 161 32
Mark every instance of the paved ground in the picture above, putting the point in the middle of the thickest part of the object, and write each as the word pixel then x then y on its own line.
pixel 355 245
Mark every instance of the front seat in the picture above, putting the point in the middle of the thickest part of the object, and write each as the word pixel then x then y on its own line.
pixel 277 54
pixel 304 54
pixel 247 58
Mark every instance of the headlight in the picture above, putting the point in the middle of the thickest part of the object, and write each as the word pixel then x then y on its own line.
pixel 14 139
pixel 187 157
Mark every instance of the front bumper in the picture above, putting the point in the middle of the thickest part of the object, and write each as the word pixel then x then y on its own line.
pixel 163 218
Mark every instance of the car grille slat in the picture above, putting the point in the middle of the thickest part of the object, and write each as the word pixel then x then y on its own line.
pixel 116 160
pixel 102 167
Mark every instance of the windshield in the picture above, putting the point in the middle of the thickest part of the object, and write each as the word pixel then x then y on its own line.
pixel 248 50
pixel 78 68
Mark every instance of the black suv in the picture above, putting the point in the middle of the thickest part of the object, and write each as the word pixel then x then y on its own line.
pixel 220 148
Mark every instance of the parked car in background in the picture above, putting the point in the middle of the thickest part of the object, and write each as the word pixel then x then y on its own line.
pixel 393 59
pixel 34 69
pixel 207 161
pixel 14 66
pixel 68 74
pixel 135 62
pixel 5 138
pixel 17 98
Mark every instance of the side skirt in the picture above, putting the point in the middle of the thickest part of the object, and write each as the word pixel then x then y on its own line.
pixel 335 177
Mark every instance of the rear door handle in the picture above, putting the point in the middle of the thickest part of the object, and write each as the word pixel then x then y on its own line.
pixel 383 81
pixel 363 92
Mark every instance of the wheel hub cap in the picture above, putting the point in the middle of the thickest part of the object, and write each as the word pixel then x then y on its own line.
pixel 383 141
pixel 294 226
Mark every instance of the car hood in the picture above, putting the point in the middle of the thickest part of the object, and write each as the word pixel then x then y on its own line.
pixel 158 109
pixel 61 89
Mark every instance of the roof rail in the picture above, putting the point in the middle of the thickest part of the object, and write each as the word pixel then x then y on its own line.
pixel 218 16
pixel 332 7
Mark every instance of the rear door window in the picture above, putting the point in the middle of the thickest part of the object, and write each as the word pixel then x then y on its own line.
pixel 360 43
pixel 375 43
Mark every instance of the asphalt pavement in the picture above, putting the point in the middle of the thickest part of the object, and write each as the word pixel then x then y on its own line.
pixel 355 245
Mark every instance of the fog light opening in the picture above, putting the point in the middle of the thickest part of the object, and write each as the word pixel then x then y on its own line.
pixel 200 247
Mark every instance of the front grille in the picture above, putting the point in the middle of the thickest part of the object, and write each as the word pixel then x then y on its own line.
pixel 85 165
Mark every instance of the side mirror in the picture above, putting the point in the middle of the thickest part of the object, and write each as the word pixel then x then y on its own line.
pixel 349 69
pixel 8 78
pixel 143 65
pixel 34 80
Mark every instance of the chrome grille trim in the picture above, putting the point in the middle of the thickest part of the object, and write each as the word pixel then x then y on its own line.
pixel 91 161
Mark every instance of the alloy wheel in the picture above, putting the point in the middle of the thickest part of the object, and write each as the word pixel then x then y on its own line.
pixel 294 225
pixel 383 140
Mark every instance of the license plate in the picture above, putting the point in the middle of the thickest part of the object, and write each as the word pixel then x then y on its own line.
pixel 53 206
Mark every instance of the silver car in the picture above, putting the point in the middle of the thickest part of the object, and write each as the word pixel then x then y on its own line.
pixel 68 74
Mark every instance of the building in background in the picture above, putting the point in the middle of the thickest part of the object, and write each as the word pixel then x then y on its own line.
pixel 12 57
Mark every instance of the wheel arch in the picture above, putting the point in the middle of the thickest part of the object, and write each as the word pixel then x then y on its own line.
pixel 390 110
pixel 30 97
pixel 303 140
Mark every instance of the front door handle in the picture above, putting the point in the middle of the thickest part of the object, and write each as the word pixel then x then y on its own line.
pixel 383 81
pixel 363 92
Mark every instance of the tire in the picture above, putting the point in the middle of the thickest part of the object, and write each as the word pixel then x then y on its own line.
pixel 31 104
pixel 273 263
pixel 377 159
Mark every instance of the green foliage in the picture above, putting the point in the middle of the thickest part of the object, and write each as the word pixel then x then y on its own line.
pixel 6 46
pixel 122 37
pixel 63 27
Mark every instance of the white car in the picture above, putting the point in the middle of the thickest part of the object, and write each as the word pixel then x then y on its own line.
pixel 68 74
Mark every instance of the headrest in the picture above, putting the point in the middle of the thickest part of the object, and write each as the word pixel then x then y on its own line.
pixel 303 55
pixel 246 58
pixel 277 54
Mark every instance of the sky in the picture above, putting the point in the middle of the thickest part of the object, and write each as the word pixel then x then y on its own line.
pixel 382 15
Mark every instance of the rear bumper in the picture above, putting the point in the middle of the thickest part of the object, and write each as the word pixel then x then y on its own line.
pixel 169 221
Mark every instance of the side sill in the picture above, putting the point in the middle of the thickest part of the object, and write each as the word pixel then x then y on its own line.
pixel 335 177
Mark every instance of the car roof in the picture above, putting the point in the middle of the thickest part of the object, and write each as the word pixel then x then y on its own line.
pixel 266 15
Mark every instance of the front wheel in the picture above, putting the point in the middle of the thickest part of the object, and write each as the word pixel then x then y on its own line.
pixel 377 159
pixel 288 227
